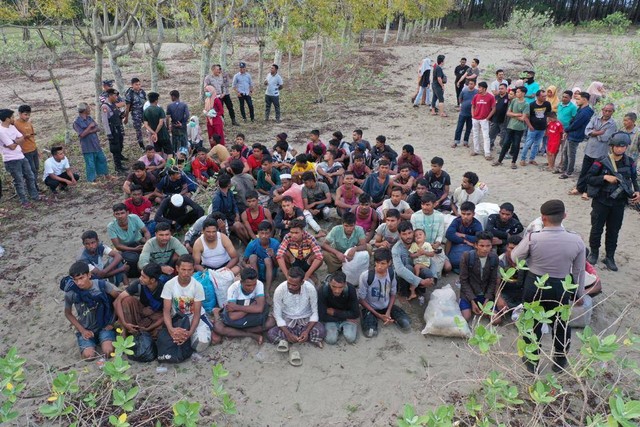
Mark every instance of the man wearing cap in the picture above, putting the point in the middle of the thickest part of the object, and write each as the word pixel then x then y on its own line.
pixel 112 123
pixel 274 83
pixel 243 85
pixel 220 82
pixel 14 160
pixel 175 210
pixel 106 85
pixel 135 97
pixel 612 181
pixel 558 253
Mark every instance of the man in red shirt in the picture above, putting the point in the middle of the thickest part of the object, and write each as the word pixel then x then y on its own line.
pixel 203 167
pixel 139 205
pixel 255 158
pixel 314 141
pixel 554 134
pixel 483 107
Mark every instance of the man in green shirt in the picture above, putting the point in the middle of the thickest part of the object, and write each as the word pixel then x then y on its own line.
pixel 518 116
pixel 347 238
pixel 164 249
pixel 155 122
pixel 128 234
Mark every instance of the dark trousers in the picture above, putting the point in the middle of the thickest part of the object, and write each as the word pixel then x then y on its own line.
pixel 511 141
pixel 189 218
pixel 496 129
pixel 246 99
pixel 550 299
pixel 116 144
pixel 34 162
pixel 458 92
pixel 226 100
pixel 587 162
pixel 54 184
pixel 268 100
pixel 462 121
pixel 369 321
pixel 610 216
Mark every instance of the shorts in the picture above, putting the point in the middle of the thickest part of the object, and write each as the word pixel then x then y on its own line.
pixel 163 146
pixel 438 93
pixel 553 146
pixel 98 338
pixel 466 305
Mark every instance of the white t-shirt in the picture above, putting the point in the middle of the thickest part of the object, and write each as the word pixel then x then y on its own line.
pixel 8 137
pixel 402 206
pixel 183 297
pixel 53 167
pixel 235 293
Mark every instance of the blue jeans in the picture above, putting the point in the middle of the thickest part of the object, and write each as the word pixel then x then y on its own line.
pixel 462 121
pixel 98 338
pixel 349 330
pixel 534 138
pixel 95 164
pixel 23 178
pixel 419 96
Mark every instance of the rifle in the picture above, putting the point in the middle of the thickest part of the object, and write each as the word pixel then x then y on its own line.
pixel 624 184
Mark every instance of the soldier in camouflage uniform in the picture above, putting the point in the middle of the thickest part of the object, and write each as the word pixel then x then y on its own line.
pixel 135 97
pixel 112 123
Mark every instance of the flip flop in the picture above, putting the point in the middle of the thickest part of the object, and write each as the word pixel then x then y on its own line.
pixel 294 358
pixel 283 346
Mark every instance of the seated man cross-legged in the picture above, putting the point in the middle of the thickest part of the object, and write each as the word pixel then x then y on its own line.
pixel 246 313
pixel 338 309
pixel 214 250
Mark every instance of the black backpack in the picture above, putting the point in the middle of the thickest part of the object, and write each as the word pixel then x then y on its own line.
pixel 170 352
pixel 144 350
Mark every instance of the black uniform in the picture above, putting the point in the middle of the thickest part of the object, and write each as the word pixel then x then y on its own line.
pixel 112 122
pixel 609 200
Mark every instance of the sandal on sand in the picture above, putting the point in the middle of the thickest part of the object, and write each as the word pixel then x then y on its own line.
pixel 514 166
pixel 496 163
pixel 283 346
pixel 294 358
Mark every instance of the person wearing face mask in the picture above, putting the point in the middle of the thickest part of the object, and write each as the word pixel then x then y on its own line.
pixel 532 86
pixel 214 113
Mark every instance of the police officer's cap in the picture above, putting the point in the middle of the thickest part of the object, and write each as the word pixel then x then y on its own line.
pixel 107 83
pixel 552 207
pixel 242 65
pixel 620 139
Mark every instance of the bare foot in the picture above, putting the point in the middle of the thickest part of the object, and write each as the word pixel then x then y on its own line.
pixel 258 337
pixel 319 344
pixel 412 296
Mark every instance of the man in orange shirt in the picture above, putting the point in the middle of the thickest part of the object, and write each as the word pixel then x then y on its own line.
pixel 29 147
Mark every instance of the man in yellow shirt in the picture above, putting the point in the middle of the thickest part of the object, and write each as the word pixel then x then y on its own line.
pixel 29 147
pixel 302 166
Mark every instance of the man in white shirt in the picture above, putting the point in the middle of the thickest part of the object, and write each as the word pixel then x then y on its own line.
pixel 246 313
pixel 295 309
pixel 58 171
pixel 14 160
pixel 274 83
pixel 495 85
pixel 468 192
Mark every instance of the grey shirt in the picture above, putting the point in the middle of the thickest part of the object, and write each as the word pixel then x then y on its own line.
pixel 220 83
pixel 378 294
pixel 242 83
pixel 598 146
pixel 466 96
pixel 554 251
pixel 403 264
pixel 85 315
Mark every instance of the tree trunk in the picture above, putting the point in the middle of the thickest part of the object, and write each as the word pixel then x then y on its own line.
pixel 373 37
pixel 26 35
pixel 315 54
pixel 223 49
pixel 98 61
pixel 115 68
pixel 400 26
pixel 289 64
pixel 63 107
pixel 304 56
pixel 322 42
pixel 387 27
pixel 156 46
pixel 205 60
pixel 154 71
pixel 4 35
pixel 261 46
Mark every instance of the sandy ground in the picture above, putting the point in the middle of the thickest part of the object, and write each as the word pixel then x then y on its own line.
pixel 343 385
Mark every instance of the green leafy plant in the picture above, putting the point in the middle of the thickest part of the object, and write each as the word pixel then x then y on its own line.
pixel 186 413
pixel 11 383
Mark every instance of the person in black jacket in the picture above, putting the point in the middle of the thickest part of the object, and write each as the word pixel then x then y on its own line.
pixel 174 210
pixel 478 276
pixel 612 181
pixel 338 309
pixel 503 225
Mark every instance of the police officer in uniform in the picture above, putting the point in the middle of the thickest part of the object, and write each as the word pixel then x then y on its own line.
pixel 135 97
pixel 556 252
pixel 112 123
pixel 612 181
pixel 106 85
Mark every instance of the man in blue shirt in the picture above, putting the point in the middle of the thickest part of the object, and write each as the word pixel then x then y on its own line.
pixel 260 254
pixel 274 83
pixel 243 85
pixel 224 202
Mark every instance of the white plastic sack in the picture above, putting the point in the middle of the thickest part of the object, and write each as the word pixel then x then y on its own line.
pixel 441 313
pixel 448 219
pixel 535 225
pixel 222 279
pixel 483 210
pixel 581 314
pixel 354 268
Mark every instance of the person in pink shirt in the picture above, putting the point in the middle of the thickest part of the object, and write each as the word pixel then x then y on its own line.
pixel 314 141
pixel 483 107
pixel 153 161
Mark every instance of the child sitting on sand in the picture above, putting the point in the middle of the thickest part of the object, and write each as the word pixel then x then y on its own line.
pixel 418 252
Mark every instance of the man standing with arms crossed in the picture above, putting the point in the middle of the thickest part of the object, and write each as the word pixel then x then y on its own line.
pixel 558 253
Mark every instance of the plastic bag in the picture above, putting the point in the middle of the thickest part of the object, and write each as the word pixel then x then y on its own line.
pixel 581 314
pixel 354 268
pixel 144 349
pixel 209 302
pixel 483 210
pixel 441 314
pixel 169 351
pixel 221 279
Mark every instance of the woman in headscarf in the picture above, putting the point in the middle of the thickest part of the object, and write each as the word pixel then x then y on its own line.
pixel 597 92
pixel 213 112
pixel 576 91
pixel 552 97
